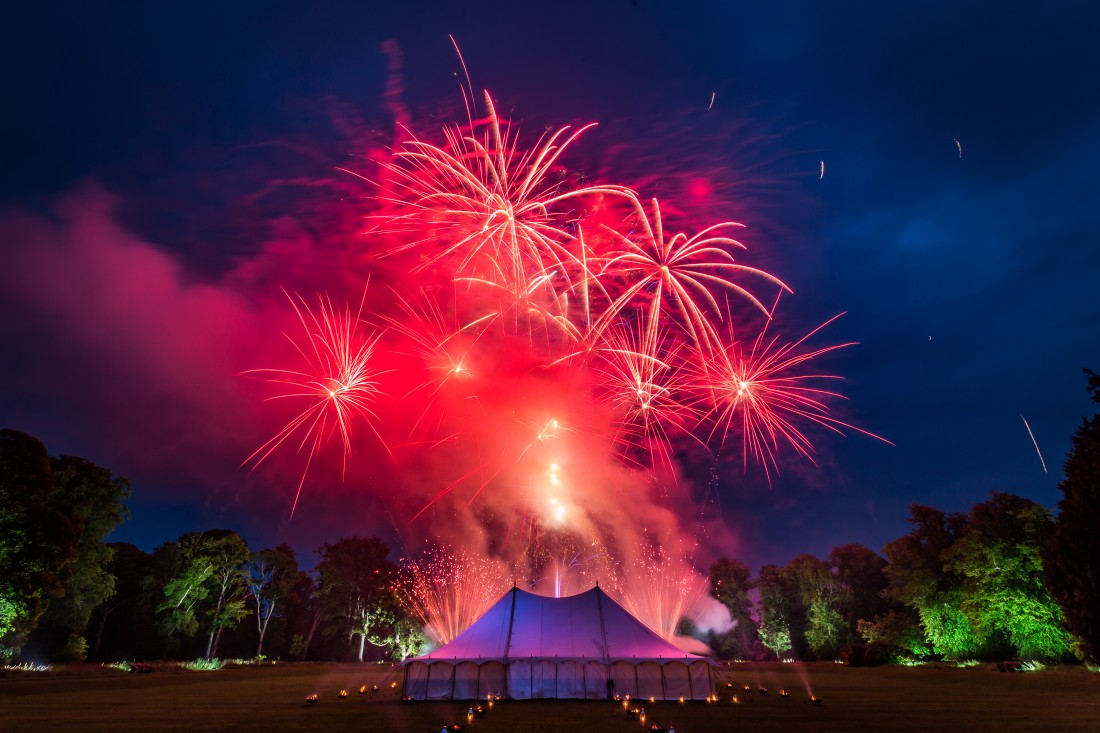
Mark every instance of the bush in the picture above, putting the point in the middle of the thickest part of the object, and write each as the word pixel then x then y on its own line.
pixel 74 651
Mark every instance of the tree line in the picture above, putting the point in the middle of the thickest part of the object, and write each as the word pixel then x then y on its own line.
pixel 1004 579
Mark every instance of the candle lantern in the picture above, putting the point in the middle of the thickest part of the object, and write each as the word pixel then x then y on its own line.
pixel 343 694
pixel 311 699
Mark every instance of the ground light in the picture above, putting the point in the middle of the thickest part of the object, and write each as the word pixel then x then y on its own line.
pixel 343 694
pixel 311 699
pixel 784 693
pixel 815 699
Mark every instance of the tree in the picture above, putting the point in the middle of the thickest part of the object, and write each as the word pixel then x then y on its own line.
pixel 731 585
pixel 38 538
pixel 821 596
pixel 96 497
pixel 860 573
pixel 355 581
pixel 998 555
pixel 205 585
pixel 126 618
pixel 270 575
pixel 1072 555
pixel 919 580
pixel 782 617
pixel 227 554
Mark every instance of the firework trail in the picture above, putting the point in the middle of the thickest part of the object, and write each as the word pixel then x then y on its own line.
pixel 338 383
pixel 1036 444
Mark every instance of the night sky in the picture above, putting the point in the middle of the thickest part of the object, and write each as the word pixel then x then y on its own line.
pixel 143 225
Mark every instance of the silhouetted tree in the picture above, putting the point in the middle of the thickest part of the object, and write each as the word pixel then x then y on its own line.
pixel 1072 556
pixel 96 498
pixel 355 581
pixel 731 584
pixel 860 572
pixel 270 575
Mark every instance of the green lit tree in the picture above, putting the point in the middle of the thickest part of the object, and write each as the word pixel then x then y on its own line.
pixel 821 596
pixel 782 616
pixel 228 555
pixel 919 580
pixel 203 585
pixel 1072 555
pixel 998 556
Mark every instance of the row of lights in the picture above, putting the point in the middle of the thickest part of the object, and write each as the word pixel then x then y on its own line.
pixel 343 693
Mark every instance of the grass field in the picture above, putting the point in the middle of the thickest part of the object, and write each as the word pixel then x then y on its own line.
pixel 272 698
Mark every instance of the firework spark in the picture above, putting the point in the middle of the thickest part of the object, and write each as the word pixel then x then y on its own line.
pixel 338 383
pixel 447 590
pixel 763 390
pixel 675 275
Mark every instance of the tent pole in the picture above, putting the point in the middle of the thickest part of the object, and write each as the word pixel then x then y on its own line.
pixel 603 632
pixel 508 642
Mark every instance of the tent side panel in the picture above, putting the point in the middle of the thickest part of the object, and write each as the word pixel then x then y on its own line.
pixel 416 680
pixel 570 681
pixel 677 682
pixel 440 680
pixel 466 686
pixel 519 679
pixel 626 683
pixel 595 681
pixel 649 681
pixel 702 684
pixel 491 681
pixel 544 678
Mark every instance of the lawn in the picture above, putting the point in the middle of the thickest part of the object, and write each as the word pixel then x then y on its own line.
pixel 272 698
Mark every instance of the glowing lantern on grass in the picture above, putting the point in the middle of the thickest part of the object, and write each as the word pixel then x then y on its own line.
pixel 815 699
pixel 311 699
pixel 343 694
pixel 363 690
pixel 784 693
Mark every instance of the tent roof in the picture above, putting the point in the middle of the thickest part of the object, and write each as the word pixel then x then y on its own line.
pixel 589 625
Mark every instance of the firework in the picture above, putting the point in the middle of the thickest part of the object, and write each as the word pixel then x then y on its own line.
pixel 764 390
pixel 525 298
pixel 676 275
pixel 338 383
pixel 447 590
pixel 488 214
pixel 661 588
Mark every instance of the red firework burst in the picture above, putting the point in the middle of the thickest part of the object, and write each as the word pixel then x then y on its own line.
pixel 765 392
pixel 338 383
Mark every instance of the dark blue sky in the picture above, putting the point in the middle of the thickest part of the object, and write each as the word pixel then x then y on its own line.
pixel 969 282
